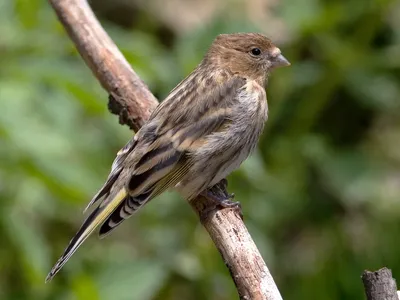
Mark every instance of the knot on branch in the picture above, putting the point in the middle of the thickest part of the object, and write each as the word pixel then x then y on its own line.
pixel 119 108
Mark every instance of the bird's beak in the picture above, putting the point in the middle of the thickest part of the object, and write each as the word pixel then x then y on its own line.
pixel 280 61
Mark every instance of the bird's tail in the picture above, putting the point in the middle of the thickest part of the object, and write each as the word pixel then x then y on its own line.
pixel 96 218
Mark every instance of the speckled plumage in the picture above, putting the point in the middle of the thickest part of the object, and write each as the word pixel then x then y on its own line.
pixel 206 127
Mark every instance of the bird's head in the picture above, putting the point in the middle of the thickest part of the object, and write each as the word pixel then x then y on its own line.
pixel 250 55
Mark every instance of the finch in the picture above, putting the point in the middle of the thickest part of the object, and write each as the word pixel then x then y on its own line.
pixel 205 128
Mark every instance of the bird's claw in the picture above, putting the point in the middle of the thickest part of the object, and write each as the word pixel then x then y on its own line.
pixel 222 202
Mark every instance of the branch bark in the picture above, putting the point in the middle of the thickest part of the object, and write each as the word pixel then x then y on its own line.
pixel 380 285
pixel 133 102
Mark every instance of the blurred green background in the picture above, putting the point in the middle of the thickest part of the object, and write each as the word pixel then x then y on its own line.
pixel 320 196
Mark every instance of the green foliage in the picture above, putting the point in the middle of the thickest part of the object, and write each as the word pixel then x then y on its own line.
pixel 320 196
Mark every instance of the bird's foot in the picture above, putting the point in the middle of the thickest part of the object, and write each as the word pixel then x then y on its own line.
pixel 219 196
pixel 223 201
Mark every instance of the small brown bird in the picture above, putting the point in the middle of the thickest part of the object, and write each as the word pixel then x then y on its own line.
pixel 206 127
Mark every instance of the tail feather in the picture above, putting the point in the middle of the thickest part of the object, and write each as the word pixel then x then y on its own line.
pixel 125 210
pixel 105 190
pixel 116 170
pixel 142 184
pixel 97 217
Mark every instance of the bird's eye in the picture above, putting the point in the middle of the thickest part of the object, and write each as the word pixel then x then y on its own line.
pixel 256 51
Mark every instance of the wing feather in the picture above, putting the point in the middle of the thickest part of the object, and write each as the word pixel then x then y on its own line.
pixel 163 154
pixel 116 169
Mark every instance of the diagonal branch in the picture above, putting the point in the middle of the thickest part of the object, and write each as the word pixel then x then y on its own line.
pixel 133 102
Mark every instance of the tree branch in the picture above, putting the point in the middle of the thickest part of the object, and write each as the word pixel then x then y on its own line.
pixel 131 98
pixel 133 102
pixel 380 285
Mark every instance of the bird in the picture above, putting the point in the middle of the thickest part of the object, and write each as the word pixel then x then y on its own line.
pixel 203 130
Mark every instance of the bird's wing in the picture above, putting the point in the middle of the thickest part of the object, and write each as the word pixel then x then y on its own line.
pixel 162 153
pixel 158 156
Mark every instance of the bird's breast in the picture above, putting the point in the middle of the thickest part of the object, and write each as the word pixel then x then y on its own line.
pixel 245 129
pixel 252 105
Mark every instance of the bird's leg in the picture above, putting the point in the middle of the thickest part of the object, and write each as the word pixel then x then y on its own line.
pixel 221 198
pixel 225 202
